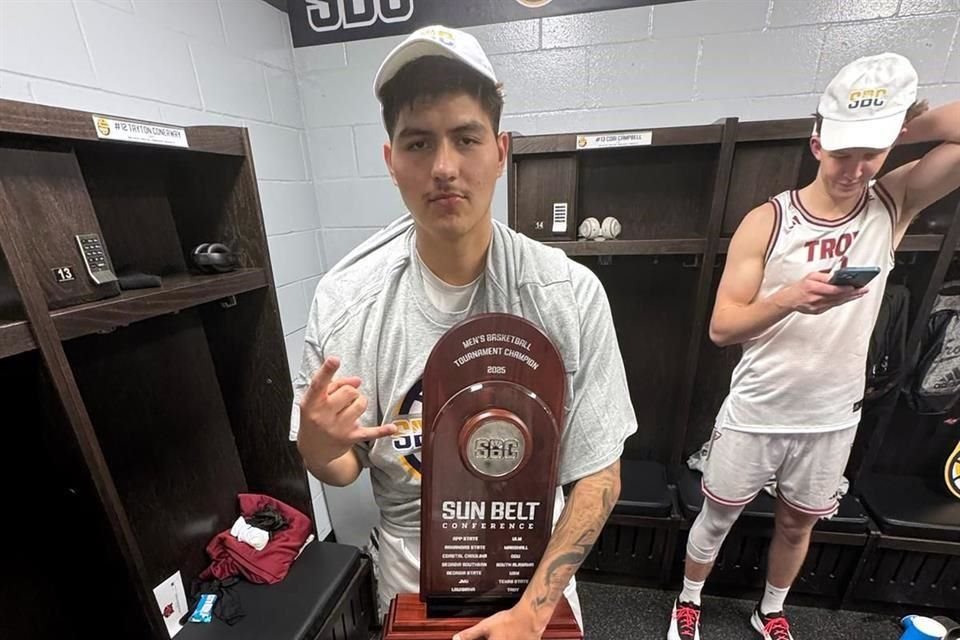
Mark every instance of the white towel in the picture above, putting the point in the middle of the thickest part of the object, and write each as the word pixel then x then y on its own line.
pixel 256 538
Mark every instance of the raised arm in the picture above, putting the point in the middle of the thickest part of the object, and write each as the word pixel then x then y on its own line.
pixel 918 184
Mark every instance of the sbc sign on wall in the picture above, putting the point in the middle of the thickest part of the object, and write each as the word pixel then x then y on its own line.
pixel 315 22
pixel 326 16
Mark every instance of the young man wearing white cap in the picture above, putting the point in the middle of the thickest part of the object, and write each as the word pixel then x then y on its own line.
pixel 794 401
pixel 377 314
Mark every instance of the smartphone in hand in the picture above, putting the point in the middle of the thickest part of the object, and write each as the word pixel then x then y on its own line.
pixel 855 277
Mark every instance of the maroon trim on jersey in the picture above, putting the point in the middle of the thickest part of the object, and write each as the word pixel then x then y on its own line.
pixel 891 208
pixel 723 501
pixel 775 231
pixel 887 201
pixel 810 512
pixel 861 203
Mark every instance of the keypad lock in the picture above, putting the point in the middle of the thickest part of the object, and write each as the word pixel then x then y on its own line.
pixel 95 258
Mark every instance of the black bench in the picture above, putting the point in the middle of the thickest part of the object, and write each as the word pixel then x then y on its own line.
pixel 916 560
pixel 907 506
pixel 327 594
pixel 643 489
pixel 638 539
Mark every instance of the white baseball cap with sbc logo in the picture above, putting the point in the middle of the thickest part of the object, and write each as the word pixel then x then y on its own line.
pixel 865 104
pixel 435 40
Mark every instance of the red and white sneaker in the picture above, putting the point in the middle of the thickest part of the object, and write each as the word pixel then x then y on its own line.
pixel 772 626
pixel 685 622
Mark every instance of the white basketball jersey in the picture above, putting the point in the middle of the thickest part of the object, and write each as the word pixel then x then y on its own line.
pixel 807 373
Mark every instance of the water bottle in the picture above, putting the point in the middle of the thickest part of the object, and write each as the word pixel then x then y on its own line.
pixel 922 628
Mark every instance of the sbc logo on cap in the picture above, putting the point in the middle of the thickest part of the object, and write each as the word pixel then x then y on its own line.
pixel 862 98
pixel 440 35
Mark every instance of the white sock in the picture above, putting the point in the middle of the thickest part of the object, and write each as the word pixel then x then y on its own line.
pixel 773 599
pixel 691 591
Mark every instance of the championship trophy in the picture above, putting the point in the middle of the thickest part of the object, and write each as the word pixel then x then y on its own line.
pixel 493 392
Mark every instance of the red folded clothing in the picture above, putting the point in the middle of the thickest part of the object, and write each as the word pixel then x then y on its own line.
pixel 231 557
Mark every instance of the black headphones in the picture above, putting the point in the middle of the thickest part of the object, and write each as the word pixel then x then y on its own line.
pixel 213 257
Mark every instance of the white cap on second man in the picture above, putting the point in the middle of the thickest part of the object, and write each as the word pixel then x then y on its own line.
pixel 435 40
pixel 865 104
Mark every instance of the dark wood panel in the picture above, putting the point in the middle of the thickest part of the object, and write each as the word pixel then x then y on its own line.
pixel 215 139
pixel 15 337
pixel 41 120
pixel 778 130
pixel 915 271
pixel 655 193
pixel 760 171
pixel 921 242
pixel 63 389
pixel 542 182
pixel 631 247
pixel 215 199
pixel 177 293
pixel 246 343
pixel 924 274
pixel 130 195
pixel 524 145
pixel 43 193
pixel 512 182
pixel 926 279
pixel 144 464
pixel 11 309
pixel 700 134
pixel 49 492
pixel 705 284
pixel 174 462
pixel 652 300
pixel 712 379
pixel 711 386
pixel 55 122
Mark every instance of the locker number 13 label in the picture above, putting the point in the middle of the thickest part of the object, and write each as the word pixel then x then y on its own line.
pixel 64 274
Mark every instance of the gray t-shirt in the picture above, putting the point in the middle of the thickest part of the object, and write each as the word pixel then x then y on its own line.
pixel 372 311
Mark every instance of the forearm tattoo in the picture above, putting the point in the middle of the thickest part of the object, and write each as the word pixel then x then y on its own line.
pixel 587 509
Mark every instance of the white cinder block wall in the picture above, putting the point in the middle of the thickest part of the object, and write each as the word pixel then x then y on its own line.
pixel 675 64
pixel 185 62
pixel 316 127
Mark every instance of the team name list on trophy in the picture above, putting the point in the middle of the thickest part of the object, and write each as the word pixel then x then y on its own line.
pixel 464 556
pixel 493 390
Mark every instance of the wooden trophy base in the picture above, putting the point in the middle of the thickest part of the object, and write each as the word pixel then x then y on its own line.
pixel 407 620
